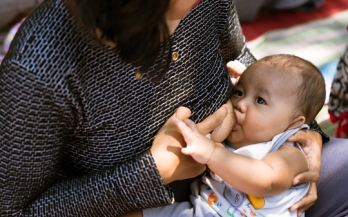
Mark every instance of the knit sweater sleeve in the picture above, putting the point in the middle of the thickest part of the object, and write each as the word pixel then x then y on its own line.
pixel 34 124
pixel 233 44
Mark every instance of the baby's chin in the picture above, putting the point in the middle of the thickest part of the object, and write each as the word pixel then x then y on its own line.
pixel 234 142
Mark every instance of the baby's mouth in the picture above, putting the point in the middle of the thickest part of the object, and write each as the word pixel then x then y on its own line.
pixel 235 127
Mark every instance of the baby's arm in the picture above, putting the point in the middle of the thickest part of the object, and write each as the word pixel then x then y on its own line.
pixel 269 176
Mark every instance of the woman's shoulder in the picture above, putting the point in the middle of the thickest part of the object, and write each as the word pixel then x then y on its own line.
pixel 44 29
pixel 49 38
pixel 49 26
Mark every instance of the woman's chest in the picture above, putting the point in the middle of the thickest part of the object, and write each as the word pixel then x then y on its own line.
pixel 118 114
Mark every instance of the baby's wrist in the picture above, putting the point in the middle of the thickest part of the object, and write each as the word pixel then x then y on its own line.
pixel 213 156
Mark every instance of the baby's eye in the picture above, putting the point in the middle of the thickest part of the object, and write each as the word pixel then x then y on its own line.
pixel 237 93
pixel 260 101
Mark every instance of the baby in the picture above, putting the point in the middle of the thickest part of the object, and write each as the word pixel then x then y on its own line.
pixel 251 174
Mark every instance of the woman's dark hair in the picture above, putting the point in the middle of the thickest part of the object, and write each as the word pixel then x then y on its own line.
pixel 137 27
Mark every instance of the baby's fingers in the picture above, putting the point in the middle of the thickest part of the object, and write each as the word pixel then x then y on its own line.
pixel 186 128
pixel 187 150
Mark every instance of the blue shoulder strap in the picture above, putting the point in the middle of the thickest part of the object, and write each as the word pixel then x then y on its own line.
pixel 284 136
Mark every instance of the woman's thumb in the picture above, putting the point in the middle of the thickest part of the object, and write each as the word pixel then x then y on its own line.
pixel 182 113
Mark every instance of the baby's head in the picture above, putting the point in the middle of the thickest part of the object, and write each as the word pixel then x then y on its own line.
pixel 275 93
pixel 311 91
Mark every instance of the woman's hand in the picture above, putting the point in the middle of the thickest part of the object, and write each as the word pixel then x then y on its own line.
pixel 235 70
pixel 311 143
pixel 221 132
pixel 198 146
pixel 307 201
pixel 166 148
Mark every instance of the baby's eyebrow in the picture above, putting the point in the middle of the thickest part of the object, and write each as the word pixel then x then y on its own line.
pixel 238 84
pixel 262 90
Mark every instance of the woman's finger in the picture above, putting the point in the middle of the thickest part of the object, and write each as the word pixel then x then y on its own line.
pixel 220 133
pixel 192 125
pixel 306 138
pixel 212 121
pixel 307 201
pixel 311 145
pixel 182 113
pixel 235 68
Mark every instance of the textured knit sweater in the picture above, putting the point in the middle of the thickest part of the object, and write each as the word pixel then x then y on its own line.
pixel 76 125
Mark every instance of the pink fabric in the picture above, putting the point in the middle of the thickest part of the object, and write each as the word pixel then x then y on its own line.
pixel 197 3
pixel 10 36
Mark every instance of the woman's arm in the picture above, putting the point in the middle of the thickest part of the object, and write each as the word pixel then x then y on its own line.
pixel 35 123
pixel 233 44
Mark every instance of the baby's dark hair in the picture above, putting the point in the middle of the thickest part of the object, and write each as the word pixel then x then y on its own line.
pixel 311 93
pixel 137 27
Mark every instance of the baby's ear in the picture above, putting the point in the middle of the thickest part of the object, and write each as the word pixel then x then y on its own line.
pixel 297 122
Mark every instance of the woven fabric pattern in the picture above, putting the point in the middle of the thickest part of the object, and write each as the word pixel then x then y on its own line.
pixel 338 96
pixel 76 126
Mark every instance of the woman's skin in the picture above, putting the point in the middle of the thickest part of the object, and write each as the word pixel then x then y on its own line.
pixel 176 11
pixel 179 8
pixel 171 163
pixel 311 143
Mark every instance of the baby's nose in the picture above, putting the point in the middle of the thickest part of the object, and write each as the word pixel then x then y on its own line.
pixel 240 105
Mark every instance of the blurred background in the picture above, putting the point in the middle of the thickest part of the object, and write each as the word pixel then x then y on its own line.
pixel 313 30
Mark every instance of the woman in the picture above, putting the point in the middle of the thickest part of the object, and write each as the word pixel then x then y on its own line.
pixel 86 90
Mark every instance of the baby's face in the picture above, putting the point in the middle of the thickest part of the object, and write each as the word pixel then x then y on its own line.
pixel 265 104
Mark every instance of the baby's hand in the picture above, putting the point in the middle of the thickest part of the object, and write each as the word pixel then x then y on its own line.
pixel 235 70
pixel 198 146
